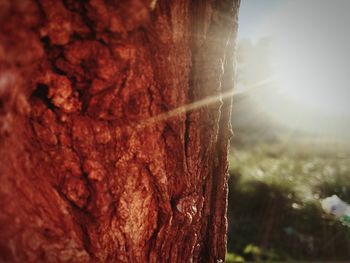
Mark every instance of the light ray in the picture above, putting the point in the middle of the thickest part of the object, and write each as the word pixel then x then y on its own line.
pixel 197 104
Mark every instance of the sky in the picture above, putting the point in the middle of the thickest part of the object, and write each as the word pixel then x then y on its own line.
pixel 252 13
pixel 310 51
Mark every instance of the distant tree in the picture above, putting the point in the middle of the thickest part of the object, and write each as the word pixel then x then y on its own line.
pixel 100 161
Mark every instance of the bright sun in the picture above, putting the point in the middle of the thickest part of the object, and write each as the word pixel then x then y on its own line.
pixel 310 57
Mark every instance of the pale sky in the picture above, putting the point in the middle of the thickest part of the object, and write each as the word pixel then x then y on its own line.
pixel 252 13
pixel 310 49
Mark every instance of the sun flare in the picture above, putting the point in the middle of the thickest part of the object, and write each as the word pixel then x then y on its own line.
pixel 309 63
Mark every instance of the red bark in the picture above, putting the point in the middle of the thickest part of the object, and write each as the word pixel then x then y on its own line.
pixel 91 168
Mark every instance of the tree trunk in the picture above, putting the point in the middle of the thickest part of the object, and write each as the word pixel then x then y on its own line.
pixel 105 157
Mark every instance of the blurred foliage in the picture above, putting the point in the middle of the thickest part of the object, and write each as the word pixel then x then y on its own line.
pixel 232 257
pixel 274 203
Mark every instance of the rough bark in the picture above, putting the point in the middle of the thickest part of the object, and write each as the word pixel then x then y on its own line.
pixel 92 168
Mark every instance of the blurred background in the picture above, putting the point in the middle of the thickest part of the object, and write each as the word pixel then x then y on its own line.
pixel 291 119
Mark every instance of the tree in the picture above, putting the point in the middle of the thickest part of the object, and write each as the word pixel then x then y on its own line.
pixel 105 157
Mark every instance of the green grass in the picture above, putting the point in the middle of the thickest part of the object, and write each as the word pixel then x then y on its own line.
pixel 307 172
pixel 274 203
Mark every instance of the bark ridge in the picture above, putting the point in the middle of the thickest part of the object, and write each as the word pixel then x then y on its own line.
pixel 92 168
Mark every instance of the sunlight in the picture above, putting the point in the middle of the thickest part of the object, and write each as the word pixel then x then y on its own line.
pixel 299 64
pixel 205 102
pixel 309 62
pixel 310 58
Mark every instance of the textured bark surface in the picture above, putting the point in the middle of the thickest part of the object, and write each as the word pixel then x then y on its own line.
pixel 91 169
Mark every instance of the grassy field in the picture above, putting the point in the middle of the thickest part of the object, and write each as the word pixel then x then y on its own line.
pixel 274 201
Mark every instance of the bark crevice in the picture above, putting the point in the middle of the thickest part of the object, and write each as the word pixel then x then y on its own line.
pixel 104 171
